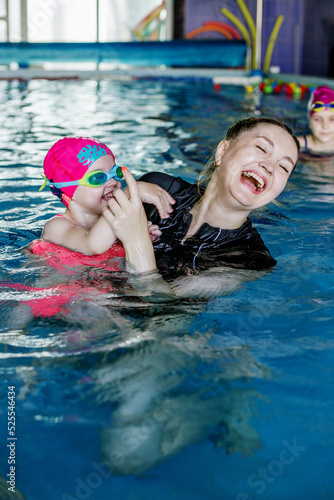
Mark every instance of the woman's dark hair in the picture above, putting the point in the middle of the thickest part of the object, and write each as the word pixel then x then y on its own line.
pixel 234 133
pixel 249 123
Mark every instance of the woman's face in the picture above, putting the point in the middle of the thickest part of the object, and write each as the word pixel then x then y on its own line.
pixel 253 169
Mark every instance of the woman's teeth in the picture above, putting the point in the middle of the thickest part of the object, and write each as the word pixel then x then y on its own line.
pixel 260 182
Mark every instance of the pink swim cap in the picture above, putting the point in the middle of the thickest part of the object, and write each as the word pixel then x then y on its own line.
pixel 321 94
pixel 69 159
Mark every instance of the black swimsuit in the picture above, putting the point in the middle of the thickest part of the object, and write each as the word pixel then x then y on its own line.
pixel 306 149
pixel 209 246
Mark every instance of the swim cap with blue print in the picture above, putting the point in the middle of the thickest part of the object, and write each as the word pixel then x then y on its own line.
pixel 69 159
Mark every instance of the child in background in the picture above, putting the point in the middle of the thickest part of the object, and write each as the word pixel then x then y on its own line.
pixel 321 122
pixel 82 173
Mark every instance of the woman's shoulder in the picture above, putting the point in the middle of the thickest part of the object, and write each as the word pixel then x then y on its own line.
pixel 245 248
pixel 168 182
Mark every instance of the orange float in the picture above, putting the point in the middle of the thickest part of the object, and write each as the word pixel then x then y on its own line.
pixel 213 26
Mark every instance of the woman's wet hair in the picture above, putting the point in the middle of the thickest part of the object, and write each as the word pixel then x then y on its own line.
pixel 249 123
pixel 234 132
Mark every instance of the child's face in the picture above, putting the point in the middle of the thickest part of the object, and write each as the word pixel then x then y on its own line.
pixel 322 126
pixel 254 168
pixel 95 199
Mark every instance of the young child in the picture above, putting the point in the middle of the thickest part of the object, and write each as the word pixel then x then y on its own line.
pixel 321 122
pixel 82 173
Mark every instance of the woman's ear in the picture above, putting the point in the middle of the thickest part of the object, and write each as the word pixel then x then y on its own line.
pixel 221 148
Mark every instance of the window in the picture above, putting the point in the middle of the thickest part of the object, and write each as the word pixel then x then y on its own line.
pixel 89 20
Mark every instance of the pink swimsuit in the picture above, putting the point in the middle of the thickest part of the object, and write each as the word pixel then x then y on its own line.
pixel 61 257
pixel 55 300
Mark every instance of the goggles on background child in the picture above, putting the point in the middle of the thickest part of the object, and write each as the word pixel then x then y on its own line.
pixel 321 106
pixel 93 179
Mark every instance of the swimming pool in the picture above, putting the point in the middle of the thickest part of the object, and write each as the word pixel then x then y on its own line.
pixel 224 393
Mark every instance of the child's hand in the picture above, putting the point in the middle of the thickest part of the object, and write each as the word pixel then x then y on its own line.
pixel 154 231
pixel 157 196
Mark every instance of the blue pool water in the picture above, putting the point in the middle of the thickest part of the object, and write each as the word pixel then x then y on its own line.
pixel 224 393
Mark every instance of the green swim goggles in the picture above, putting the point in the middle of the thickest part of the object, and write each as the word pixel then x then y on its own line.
pixel 93 179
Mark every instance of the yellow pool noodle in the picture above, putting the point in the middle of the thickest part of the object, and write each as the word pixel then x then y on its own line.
pixel 271 43
pixel 251 25
pixel 238 24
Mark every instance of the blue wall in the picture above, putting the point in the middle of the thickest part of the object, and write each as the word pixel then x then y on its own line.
pixel 287 52
pixel 318 37
pixel 199 11
pixel 305 38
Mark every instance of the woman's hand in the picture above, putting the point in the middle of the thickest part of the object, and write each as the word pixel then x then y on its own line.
pixel 157 196
pixel 128 220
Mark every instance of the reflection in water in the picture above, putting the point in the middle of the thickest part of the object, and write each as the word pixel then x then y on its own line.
pixel 171 390
pixel 166 383
pixel 319 176
pixel 5 494
pixel 172 398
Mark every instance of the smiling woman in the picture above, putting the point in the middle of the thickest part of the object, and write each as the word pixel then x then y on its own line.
pixel 255 164
pixel 209 226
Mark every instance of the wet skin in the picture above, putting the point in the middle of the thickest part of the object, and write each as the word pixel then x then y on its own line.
pixel 94 199
pixel 254 169
pixel 322 127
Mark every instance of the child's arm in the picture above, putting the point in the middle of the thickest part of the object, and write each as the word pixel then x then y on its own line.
pixel 128 220
pixel 100 237
pixel 301 140
pixel 63 232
